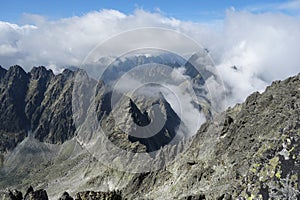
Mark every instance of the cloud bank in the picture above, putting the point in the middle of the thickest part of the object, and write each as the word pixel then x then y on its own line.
pixel 249 50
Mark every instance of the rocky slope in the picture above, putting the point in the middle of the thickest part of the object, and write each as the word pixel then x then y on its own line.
pixel 250 151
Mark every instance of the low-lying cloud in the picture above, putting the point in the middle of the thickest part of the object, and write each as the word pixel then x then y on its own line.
pixel 249 50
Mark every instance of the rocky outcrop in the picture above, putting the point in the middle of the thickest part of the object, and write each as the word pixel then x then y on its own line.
pixel 65 196
pixel 42 195
pixel 90 195
pixel 29 195
pixel 15 195
pixel 164 134
pixel 37 195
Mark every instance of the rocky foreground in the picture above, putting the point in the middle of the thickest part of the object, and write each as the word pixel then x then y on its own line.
pixel 251 151
pixel 42 195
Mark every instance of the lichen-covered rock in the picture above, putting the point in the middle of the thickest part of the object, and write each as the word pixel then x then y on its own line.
pixel 91 195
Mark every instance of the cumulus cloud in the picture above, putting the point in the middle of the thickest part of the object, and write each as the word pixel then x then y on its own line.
pixel 249 50
pixel 262 47
pixel 67 41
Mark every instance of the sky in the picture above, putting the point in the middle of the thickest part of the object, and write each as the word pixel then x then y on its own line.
pixel 260 38
pixel 194 10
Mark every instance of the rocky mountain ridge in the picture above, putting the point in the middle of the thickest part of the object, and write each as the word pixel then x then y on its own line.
pixel 250 151
pixel 37 102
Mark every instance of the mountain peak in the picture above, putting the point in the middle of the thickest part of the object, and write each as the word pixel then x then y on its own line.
pixel 2 71
pixel 139 118
pixel 40 71
pixel 68 72
pixel 15 70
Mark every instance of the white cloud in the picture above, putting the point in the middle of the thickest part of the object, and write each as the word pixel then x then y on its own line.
pixel 290 5
pixel 263 47
pixel 6 49
pixel 67 41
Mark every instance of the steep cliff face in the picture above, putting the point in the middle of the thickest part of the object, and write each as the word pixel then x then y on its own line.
pixel 13 120
pixel 150 121
pixel 54 114
pixel 38 103
pixel 41 105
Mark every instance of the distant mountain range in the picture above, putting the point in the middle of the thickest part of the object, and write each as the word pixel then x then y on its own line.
pixel 39 103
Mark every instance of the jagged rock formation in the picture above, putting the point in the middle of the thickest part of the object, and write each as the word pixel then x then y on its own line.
pixel 65 196
pixel 134 115
pixel 13 121
pixel 15 195
pixel 29 195
pixel 35 195
pixel 42 195
pixel 252 153
pixel 165 134
pixel 249 151
pixel 39 103
pixel 36 102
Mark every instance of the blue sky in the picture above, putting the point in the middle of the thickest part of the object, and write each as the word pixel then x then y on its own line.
pixel 194 10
